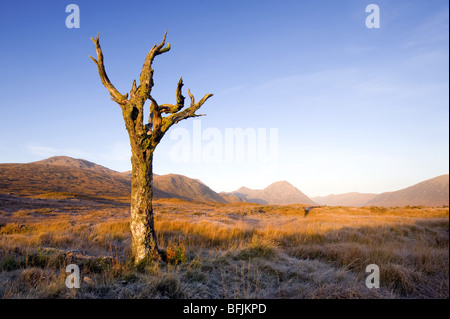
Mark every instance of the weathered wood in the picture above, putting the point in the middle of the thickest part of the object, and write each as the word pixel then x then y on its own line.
pixel 143 140
pixel 115 95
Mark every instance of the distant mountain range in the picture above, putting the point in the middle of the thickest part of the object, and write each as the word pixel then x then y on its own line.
pixel 78 176
pixel 432 192
pixel 348 199
pixel 69 175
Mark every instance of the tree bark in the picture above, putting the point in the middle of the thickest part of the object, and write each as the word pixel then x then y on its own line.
pixel 143 140
pixel 144 240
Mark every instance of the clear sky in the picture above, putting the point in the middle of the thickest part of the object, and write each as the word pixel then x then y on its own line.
pixel 356 109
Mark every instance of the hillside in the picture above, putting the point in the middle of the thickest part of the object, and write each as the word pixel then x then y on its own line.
pixel 179 186
pixel 278 193
pixel 348 199
pixel 62 174
pixel 43 177
pixel 66 161
pixel 432 192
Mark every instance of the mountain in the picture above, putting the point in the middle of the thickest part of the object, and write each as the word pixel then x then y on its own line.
pixel 63 174
pixel 230 198
pixel 432 192
pixel 279 193
pixel 66 161
pixel 179 186
pixel 348 199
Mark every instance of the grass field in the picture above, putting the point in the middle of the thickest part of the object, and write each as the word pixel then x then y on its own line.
pixel 224 251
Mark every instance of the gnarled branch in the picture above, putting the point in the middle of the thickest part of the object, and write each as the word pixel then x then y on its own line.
pixel 116 96
pixel 133 90
pixel 187 113
pixel 170 108
pixel 146 77
pixel 133 107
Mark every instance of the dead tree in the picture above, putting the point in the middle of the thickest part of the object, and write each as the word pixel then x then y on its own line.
pixel 144 137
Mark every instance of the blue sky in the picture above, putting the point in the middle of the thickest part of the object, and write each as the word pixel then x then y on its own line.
pixel 356 109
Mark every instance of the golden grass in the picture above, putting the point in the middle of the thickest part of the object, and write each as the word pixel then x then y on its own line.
pixel 234 251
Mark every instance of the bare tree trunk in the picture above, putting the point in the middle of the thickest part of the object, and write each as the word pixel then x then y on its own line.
pixel 144 137
pixel 144 240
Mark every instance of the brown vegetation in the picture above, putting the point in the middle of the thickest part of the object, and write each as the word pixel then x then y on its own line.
pixel 215 250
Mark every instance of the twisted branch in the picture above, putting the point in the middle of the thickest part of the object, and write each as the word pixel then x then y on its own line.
pixel 170 108
pixel 185 114
pixel 157 125
pixel 116 96
pixel 146 77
